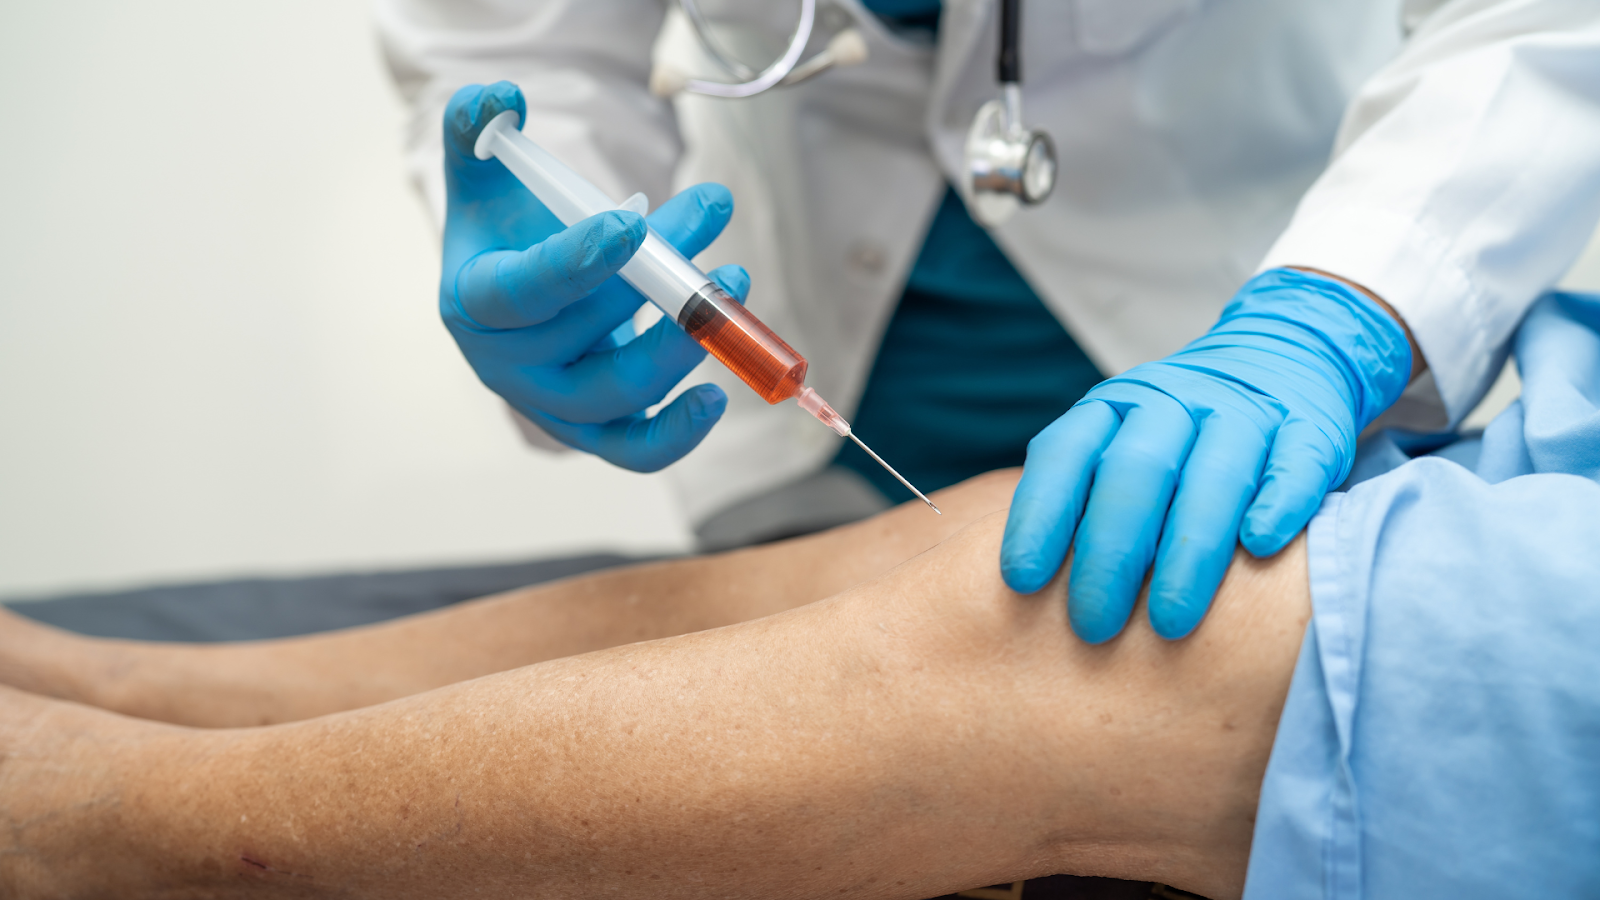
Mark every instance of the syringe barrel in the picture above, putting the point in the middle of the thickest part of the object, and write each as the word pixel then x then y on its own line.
pixel 664 276
pixel 744 344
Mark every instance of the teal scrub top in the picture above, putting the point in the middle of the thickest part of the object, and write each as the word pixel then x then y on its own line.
pixel 972 364
pixel 971 367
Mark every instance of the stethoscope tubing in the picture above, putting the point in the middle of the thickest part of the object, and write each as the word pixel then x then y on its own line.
pixel 1006 163
pixel 770 76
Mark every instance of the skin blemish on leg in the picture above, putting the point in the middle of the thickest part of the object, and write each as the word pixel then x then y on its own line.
pixel 261 868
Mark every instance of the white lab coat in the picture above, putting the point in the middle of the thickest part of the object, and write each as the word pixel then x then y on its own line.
pixel 1194 138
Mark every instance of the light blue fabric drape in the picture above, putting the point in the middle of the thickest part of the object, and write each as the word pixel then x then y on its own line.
pixel 1442 733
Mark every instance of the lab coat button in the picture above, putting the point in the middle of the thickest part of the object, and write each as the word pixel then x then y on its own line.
pixel 866 256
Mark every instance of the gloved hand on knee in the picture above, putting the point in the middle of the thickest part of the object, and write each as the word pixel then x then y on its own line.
pixel 534 305
pixel 1234 439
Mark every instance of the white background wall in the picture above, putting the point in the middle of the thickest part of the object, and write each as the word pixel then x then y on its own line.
pixel 218 346
pixel 219 350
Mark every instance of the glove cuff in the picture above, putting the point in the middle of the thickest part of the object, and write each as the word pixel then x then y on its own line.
pixel 1346 328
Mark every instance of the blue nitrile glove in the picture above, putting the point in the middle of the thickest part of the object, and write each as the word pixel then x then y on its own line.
pixel 533 304
pixel 1295 368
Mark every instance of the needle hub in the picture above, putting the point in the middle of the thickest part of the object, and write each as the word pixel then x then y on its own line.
pixel 812 402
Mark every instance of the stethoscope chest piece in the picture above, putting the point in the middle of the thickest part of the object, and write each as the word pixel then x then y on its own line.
pixel 1006 164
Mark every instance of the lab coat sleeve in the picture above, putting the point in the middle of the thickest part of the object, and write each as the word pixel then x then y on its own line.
pixel 583 66
pixel 1465 181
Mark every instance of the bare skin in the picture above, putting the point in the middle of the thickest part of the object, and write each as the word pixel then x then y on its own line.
pixel 923 732
pixel 269 682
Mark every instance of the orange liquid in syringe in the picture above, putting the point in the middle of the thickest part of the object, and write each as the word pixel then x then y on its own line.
pixel 741 342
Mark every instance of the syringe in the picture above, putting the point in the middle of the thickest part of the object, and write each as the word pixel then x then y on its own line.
pixel 666 278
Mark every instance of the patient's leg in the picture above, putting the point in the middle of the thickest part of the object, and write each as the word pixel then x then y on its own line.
pixel 925 732
pixel 222 685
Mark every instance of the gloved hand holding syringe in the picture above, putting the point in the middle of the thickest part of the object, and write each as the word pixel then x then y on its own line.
pixel 667 279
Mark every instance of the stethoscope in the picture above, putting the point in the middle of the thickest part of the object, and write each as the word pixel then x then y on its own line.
pixel 1006 164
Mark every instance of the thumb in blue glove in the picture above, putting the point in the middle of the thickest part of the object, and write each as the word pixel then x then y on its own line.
pixel 535 306
pixel 1234 439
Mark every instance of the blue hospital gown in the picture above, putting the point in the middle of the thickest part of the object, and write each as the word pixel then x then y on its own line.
pixel 1442 732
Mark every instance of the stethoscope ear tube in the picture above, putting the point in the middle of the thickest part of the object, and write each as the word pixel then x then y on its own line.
pixel 771 75
pixel 846 48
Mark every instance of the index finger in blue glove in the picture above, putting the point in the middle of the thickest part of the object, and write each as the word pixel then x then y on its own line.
pixel 690 221
pixel 1197 543
pixel 503 290
pixel 1116 541
pixel 1305 464
pixel 693 217
pixel 1049 498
